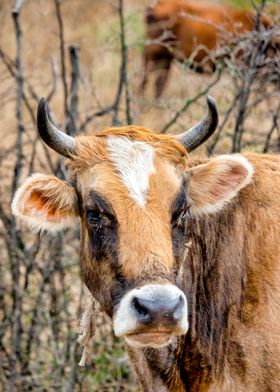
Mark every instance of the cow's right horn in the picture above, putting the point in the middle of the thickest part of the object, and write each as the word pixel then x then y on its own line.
pixel 52 136
pixel 197 135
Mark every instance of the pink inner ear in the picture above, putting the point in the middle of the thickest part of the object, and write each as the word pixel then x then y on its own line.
pixel 37 202
pixel 228 181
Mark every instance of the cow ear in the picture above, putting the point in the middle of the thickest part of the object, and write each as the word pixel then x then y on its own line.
pixel 46 203
pixel 214 184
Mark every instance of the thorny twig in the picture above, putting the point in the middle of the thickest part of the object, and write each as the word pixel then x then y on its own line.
pixel 274 125
pixel 10 67
pixel 190 101
pixel 249 74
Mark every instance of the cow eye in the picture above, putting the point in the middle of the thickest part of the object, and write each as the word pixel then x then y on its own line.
pixel 94 218
pixel 97 219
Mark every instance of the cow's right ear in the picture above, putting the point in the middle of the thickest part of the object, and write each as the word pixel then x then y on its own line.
pixel 46 203
pixel 214 184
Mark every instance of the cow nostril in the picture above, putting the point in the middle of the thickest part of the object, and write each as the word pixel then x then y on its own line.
pixel 142 312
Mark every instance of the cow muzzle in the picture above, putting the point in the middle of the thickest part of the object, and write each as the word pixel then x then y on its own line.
pixel 152 315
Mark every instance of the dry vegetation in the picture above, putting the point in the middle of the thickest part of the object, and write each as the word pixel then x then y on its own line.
pixel 41 295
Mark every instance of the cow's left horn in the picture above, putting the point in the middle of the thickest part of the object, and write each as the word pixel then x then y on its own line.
pixel 52 136
pixel 197 135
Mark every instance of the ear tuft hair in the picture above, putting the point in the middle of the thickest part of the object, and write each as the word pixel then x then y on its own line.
pixel 216 183
pixel 46 203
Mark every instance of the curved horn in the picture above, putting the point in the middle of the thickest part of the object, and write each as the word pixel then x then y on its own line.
pixel 52 136
pixel 198 134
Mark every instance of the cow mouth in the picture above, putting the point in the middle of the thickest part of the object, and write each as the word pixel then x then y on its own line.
pixel 150 339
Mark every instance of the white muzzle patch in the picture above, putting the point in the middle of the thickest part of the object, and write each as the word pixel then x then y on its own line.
pixel 126 321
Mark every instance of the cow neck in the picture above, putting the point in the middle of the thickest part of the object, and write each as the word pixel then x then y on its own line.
pixel 156 369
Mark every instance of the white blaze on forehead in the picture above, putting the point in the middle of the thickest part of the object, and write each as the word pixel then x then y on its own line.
pixel 134 163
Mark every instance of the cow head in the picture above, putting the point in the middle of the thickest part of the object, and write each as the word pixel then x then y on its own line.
pixel 133 191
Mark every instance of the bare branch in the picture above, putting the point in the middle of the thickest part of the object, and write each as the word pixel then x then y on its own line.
pixel 274 125
pixel 123 78
pixel 190 101
pixel 62 56
pixel 19 78
pixel 124 72
pixel 75 73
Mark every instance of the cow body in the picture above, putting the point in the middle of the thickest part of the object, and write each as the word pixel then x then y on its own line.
pixel 182 254
pixel 194 31
pixel 231 280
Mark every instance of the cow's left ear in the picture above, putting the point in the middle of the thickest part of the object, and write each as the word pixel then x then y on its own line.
pixel 217 182
pixel 46 203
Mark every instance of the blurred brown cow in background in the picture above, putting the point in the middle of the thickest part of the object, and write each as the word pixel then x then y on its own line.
pixel 182 29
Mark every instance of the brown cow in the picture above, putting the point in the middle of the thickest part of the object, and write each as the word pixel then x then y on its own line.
pixel 193 30
pixel 182 253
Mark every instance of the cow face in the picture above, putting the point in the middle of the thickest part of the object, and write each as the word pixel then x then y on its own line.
pixel 133 191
